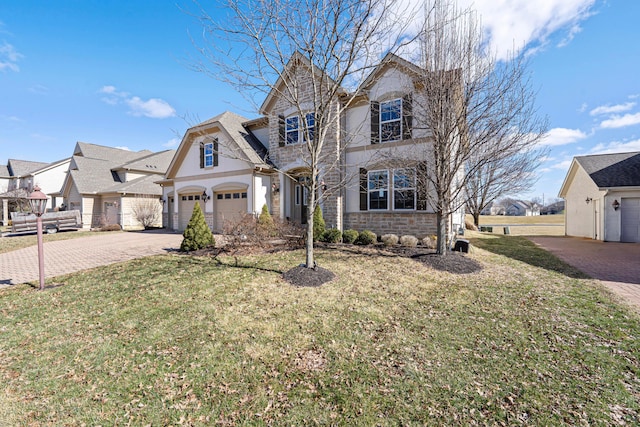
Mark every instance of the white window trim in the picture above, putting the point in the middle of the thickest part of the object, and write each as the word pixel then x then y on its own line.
pixel 369 191
pixel 391 189
pixel 390 121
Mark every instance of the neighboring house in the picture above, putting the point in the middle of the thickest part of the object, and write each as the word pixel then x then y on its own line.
pixel 553 208
pixel 522 208
pixel 221 163
pixel 602 197
pixel 18 178
pixel 108 184
pixel 493 208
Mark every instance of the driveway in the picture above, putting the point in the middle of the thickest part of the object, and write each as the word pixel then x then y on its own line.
pixel 616 265
pixel 68 256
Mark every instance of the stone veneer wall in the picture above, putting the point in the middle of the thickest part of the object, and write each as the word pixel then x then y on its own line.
pixel 416 224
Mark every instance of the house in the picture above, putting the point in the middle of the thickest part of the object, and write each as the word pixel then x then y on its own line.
pixel 108 184
pixel 493 208
pixel 233 166
pixel 602 197
pixel 553 208
pixel 522 208
pixel 18 178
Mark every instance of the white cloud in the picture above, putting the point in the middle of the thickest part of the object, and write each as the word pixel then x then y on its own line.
pixel 124 148
pixel 9 57
pixel 612 109
pixel 562 136
pixel 154 108
pixel 173 142
pixel 616 147
pixel 563 165
pixel 621 121
pixel 516 23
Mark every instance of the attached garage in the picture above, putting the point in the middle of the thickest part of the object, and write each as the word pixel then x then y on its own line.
pixel 630 219
pixel 229 206
pixel 186 203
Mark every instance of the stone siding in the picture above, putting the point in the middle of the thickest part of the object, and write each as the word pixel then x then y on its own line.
pixel 418 224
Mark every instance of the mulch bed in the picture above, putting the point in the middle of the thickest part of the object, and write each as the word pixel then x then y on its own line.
pixel 452 262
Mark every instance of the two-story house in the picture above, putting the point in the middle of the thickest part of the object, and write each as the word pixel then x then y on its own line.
pixel 372 168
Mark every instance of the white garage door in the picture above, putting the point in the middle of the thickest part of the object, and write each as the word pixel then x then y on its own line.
pixel 630 219
pixel 185 209
pixel 229 207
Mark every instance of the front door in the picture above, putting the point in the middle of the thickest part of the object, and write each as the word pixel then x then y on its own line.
pixel 299 199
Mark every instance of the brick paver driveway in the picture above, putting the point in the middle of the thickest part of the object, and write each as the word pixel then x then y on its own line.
pixel 616 265
pixel 68 256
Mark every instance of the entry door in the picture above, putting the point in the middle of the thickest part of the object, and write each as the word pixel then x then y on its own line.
pixel 111 212
pixel 299 199
pixel 630 219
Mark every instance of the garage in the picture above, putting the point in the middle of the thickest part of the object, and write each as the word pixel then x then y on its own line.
pixel 185 208
pixel 630 219
pixel 229 206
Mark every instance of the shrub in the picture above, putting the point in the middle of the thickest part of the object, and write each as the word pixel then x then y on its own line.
pixel 349 236
pixel 318 223
pixel 389 239
pixel 266 225
pixel 366 237
pixel 110 227
pixel 409 241
pixel 429 242
pixel 469 225
pixel 332 235
pixel 197 235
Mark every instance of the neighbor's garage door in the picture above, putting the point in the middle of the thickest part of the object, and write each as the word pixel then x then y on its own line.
pixel 229 207
pixel 185 209
pixel 630 219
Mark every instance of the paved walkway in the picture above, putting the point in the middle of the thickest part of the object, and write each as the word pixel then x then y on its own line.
pixel 616 265
pixel 68 256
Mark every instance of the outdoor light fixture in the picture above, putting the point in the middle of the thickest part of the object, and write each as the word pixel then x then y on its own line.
pixel 588 200
pixel 38 202
pixel 275 188
pixel 204 196
pixel 616 205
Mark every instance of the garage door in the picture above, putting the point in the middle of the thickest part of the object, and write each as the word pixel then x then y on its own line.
pixel 229 207
pixel 185 209
pixel 630 219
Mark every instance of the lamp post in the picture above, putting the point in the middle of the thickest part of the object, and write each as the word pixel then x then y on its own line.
pixel 38 201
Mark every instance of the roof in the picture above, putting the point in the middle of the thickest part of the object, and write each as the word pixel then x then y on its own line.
pixel 23 167
pixel 612 170
pixel 117 155
pixel 91 175
pixel 153 163
pixel 4 171
pixel 144 185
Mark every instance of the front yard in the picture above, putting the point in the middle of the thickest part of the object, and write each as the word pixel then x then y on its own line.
pixel 181 340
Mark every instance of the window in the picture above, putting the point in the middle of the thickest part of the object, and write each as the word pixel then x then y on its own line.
pixel 404 189
pixel 391 120
pixel 219 196
pixel 244 195
pixel 236 195
pixel 378 190
pixel 208 154
pixel 295 131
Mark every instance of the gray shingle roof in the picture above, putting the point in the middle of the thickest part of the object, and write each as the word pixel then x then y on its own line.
pixel 249 145
pixel 116 155
pixel 91 175
pixel 23 167
pixel 612 170
pixel 144 185
pixel 4 171
pixel 152 163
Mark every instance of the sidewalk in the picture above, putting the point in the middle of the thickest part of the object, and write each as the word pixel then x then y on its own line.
pixel 69 256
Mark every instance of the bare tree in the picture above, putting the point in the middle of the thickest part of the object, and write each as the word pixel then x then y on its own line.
pixel 476 109
pixel 505 173
pixel 310 56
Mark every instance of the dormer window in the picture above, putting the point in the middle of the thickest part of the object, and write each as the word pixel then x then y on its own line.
pixel 209 154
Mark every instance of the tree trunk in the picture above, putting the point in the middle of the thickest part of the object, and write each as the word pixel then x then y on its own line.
pixel 476 218
pixel 310 261
pixel 441 224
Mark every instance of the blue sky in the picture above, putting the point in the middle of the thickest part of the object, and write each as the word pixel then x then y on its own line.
pixel 118 73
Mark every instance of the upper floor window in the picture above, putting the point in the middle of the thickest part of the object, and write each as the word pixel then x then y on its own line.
pixel 391 120
pixel 296 129
pixel 209 153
